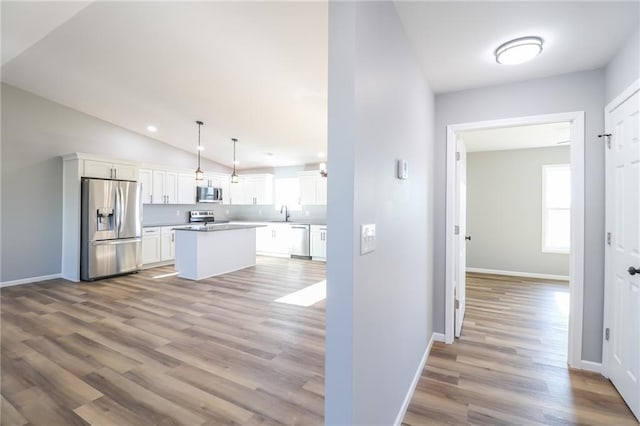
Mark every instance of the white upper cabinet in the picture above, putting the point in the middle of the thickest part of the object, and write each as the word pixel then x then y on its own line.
pixel 145 177
pixel 313 188
pixel 252 189
pixel 186 188
pixel 107 169
pixel 165 187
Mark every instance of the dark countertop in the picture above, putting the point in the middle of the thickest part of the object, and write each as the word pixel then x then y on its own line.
pixel 274 222
pixel 213 228
pixel 180 224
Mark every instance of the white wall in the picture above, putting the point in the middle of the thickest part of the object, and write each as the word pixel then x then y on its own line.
pixel 35 133
pixel 504 211
pixel 379 306
pixel 624 68
pixel 580 91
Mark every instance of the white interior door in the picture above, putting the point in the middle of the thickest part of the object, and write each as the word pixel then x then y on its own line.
pixel 461 224
pixel 622 292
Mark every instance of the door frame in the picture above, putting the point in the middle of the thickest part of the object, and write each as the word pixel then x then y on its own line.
pixel 576 257
pixel 608 109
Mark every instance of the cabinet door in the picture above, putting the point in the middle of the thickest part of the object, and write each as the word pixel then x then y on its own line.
pixel 323 241
pixel 158 187
pixel 281 239
pixel 263 190
pixel 316 244
pixel 236 192
pixel 249 191
pixel 98 169
pixel 145 176
pixel 125 172
pixel 166 252
pixel 264 239
pixel 321 191
pixel 150 246
pixel 307 190
pixel 171 187
pixel 186 188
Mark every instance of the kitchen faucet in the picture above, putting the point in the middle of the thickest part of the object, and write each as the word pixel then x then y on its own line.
pixel 286 212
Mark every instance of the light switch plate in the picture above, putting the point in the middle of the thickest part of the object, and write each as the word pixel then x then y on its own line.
pixel 367 238
pixel 403 169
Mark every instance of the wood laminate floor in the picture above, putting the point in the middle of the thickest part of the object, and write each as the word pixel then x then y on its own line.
pixel 509 365
pixel 141 350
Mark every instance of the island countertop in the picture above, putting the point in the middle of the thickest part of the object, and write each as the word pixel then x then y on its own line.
pixel 213 228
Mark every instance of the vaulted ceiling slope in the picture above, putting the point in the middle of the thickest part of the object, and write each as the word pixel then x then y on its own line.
pixel 257 71
pixel 251 70
pixel 455 41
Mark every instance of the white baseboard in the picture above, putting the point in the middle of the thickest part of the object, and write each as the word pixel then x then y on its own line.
pixel 519 274
pixel 29 280
pixel 414 382
pixel 438 337
pixel 595 367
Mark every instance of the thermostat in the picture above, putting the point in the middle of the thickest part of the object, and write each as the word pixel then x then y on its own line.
pixel 403 169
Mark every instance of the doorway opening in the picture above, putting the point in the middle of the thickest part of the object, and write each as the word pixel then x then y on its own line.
pixel 554 215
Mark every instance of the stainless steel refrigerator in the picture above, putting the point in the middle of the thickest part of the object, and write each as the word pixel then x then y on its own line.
pixel 111 228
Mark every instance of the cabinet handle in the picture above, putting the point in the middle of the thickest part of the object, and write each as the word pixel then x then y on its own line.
pixel 173 237
pixel 115 173
pixel 151 199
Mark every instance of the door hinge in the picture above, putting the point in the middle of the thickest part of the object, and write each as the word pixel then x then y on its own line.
pixel 607 137
pixel 457 304
pixel 458 156
pixel 456 230
pixel 606 334
pixel 608 238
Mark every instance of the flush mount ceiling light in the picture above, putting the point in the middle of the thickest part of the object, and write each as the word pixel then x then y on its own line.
pixel 199 173
pixel 519 50
pixel 234 175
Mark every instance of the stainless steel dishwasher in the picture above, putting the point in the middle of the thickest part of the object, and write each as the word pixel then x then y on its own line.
pixel 299 238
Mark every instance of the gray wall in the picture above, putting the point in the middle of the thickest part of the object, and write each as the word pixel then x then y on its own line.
pixel 35 133
pixel 379 305
pixel 581 91
pixel 624 68
pixel 504 211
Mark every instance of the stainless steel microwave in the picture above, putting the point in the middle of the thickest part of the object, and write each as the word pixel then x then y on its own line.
pixel 208 194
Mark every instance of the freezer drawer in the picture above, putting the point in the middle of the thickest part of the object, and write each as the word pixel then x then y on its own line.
pixel 113 257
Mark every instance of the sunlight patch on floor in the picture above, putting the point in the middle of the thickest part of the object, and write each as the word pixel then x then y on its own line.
pixel 307 296
pixel 172 274
pixel 562 302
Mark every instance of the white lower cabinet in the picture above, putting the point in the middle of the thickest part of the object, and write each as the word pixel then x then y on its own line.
pixel 150 245
pixel 158 244
pixel 273 239
pixel 319 242
pixel 167 243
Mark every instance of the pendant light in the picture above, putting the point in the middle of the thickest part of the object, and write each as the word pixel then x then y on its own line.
pixel 199 173
pixel 234 175
pixel 323 169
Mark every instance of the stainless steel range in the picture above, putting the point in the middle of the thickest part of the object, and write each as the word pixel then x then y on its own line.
pixel 203 217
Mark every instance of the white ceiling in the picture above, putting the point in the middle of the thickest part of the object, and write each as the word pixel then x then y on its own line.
pixel 254 71
pixel 258 70
pixel 455 40
pixel 519 137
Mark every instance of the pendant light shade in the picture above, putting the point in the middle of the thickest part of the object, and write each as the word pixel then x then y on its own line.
pixel 234 175
pixel 323 169
pixel 199 172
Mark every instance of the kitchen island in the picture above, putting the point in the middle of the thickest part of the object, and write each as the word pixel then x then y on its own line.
pixel 204 251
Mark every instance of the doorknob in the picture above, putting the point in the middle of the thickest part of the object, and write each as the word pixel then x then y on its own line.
pixel 633 271
pixel 468 237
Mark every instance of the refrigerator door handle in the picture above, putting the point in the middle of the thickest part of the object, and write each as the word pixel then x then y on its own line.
pixel 119 209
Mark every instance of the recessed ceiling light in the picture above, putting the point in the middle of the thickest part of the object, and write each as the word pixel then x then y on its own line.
pixel 152 129
pixel 321 155
pixel 519 50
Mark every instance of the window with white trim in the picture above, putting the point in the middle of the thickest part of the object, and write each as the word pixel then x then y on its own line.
pixel 556 208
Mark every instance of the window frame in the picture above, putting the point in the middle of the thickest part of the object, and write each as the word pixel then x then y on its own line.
pixel 544 248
